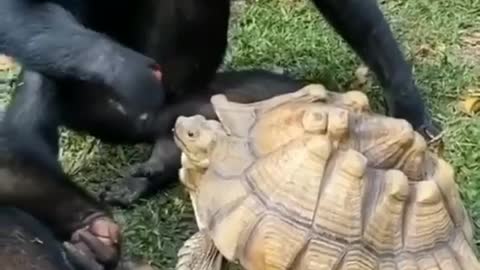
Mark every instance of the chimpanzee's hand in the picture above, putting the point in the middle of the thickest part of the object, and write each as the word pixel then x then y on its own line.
pixel 97 243
pixel 81 257
pixel 409 105
pixel 126 191
pixel 136 80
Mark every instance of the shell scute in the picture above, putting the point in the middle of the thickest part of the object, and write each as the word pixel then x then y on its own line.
pixel 289 179
pixel 428 220
pixel 267 246
pixel 445 259
pixel 229 229
pixel 321 253
pixel 406 262
pixel 232 157
pixel 384 225
pixel 359 258
pixel 340 201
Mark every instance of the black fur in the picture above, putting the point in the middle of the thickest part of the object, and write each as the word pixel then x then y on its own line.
pixel 32 181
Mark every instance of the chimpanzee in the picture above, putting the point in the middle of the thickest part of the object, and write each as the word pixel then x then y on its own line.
pixel 108 67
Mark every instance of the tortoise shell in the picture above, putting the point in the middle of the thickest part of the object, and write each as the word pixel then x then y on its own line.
pixel 314 180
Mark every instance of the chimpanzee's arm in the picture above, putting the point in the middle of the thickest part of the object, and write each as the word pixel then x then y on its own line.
pixel 48 39
pixel 33 181
pixel 31 177
pixel 362 24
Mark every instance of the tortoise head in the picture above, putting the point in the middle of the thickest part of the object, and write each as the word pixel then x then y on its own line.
pixel 196 137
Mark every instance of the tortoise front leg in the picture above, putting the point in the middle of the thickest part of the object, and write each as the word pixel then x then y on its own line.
pixel 199 253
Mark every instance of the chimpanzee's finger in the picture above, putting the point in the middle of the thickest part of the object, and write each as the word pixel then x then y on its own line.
pixel 105 254
pixel 106 230
pixel 80 259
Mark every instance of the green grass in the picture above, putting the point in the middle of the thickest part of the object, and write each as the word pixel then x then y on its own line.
pixel 292 35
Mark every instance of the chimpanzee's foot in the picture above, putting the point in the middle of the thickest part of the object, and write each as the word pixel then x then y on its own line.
pixel 149 169
pixel 126 192
pixel 145 178
pixel 96 245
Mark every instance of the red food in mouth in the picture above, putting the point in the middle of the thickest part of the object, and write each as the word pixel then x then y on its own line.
pixel 157 72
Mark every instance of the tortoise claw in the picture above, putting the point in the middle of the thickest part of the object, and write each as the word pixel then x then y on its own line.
pixel 433 136
pixel 431 132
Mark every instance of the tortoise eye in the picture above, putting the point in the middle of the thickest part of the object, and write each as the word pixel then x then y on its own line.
pixel 190 134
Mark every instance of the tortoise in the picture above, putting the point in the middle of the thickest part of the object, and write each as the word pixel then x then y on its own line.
pixel 315 180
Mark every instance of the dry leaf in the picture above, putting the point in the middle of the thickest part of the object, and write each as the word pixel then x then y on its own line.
pixel 470 49
pixel 427 50
pixel 471 104
pixel 360 82
pixel 362 74
pixel 472 92
pixel 472 39
pixel 424 50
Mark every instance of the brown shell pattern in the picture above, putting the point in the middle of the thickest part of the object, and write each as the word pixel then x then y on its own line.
pixel 314 180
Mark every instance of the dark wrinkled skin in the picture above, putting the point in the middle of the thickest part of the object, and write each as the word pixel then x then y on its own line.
pixel 26 243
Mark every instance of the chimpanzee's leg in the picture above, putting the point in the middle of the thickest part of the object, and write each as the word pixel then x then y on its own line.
pixel 26 244
pixel 363 26
pixel 33 180
pixel 33 111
